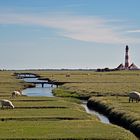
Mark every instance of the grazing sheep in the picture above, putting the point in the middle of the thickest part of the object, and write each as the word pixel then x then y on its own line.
pixel 67 75
pixel 6 103
pixel 134 96
pixel 16 93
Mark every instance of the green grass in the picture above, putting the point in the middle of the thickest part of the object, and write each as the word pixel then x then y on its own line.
pixel 62 129
pixel 8 83
pixel 119 110
pixel 51 108
pixel 97 83
pixel 52 118
pixel 120 103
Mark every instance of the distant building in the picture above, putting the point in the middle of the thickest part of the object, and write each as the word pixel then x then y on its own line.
pixel 127 66
pixel 133 67
pixel 120 67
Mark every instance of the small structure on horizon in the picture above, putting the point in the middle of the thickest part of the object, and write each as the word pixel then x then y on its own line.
pixel 127 66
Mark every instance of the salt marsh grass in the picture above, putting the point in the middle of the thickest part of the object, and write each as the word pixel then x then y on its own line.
pixel 52 118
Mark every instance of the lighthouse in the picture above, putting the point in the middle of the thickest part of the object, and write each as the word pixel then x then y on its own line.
pixel 126 57
pixel 127 66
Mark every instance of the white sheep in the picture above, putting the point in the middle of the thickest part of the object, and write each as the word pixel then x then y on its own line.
pixel 6 103
pixel 134 96
pixel 16 93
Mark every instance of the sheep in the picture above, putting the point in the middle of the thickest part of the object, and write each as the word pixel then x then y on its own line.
pixel 67 75
pixel 6 103
pixel 16 93
pixel 134 96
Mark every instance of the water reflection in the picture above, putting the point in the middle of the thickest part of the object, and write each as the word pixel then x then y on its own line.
pixel 101 117
pixel 38 90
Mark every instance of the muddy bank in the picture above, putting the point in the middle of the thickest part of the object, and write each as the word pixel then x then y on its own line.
pixel 116 116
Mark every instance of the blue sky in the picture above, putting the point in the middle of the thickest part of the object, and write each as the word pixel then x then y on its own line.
pixel 68 33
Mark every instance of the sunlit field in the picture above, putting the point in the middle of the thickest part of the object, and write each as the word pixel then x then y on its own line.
pixel 97 83
pixel 109 91
pixel 119 110
pixel 56 117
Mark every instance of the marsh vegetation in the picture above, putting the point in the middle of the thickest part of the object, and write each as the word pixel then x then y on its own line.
pixel 63 118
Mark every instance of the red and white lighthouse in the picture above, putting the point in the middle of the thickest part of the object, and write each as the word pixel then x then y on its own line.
pixel 126 57
pixel 127 66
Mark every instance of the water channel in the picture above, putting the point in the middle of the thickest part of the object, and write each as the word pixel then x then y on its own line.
pixel 38 90
pixel 47 91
